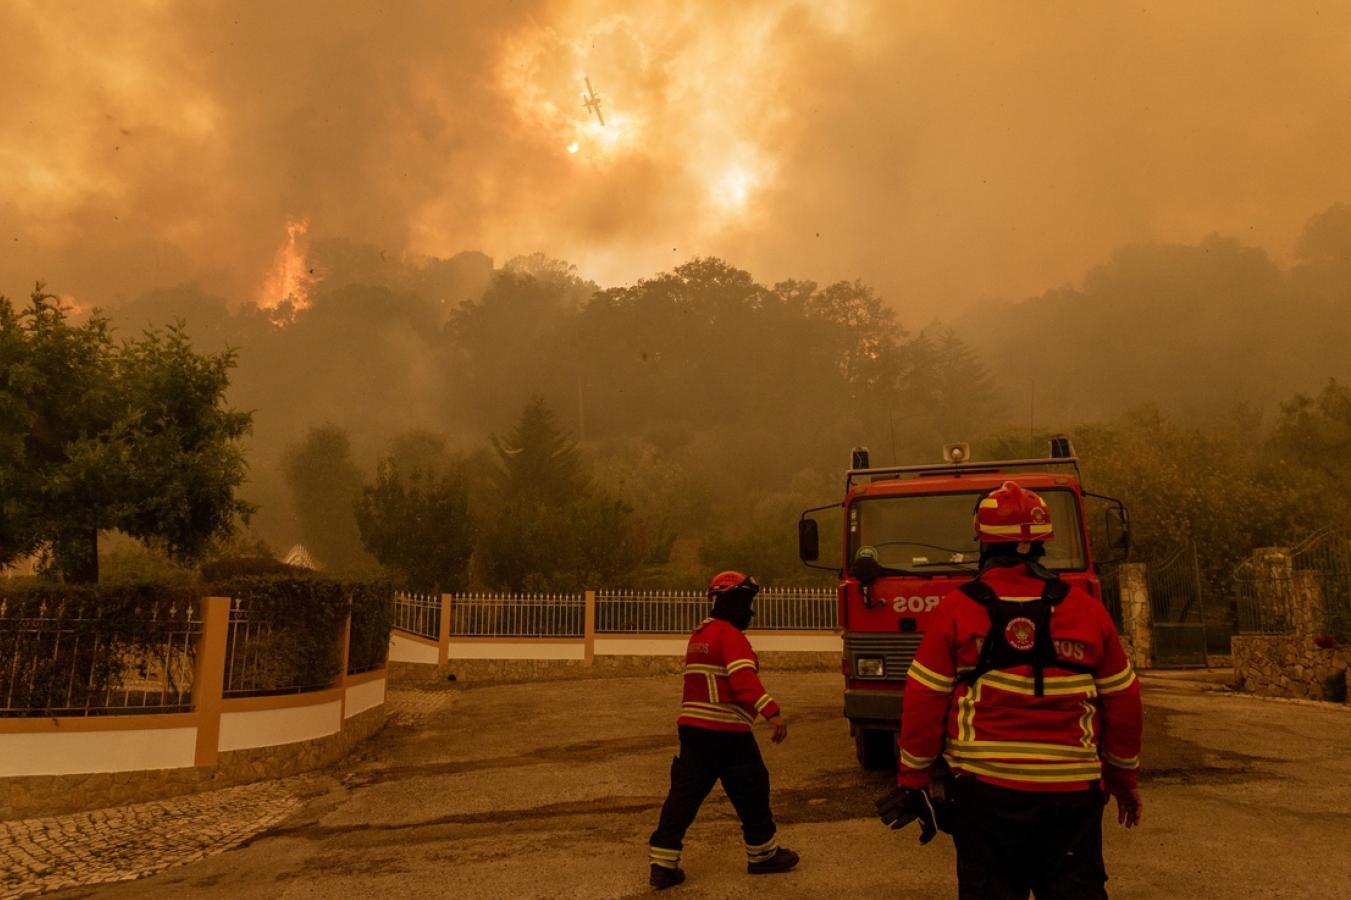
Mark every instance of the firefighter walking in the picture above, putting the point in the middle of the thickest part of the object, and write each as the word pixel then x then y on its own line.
pixel 1022 687
pixel 722 697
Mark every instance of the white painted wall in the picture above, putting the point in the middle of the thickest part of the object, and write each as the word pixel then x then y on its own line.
pixel 361 697
pixel 827 643
pixel 505 649
pixel 80 752
pixel 656 646
pixel 676 644
pixel 402 649
pixel 272 727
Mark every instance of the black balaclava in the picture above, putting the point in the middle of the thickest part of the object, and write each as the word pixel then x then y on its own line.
pixel 1004 555
pixel 734 607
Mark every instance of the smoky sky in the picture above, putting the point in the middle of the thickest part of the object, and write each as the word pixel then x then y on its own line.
pixel 945 153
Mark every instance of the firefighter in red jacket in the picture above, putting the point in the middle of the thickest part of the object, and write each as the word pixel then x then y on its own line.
pixel 723 695
pixel 1022 687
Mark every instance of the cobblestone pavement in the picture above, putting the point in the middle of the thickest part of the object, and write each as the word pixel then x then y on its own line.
pixel 124 843
pixel 407 706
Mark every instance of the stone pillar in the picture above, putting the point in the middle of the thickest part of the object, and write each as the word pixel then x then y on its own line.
pixel 1136 621
pixel 1273 585
pixel 1308 612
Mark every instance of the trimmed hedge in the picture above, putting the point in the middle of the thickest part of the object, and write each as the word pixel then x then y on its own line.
pixel 301 650
pixel 291 642
pixel 67 649
pixel 372 619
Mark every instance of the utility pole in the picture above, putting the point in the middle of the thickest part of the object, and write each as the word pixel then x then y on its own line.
pixel 1032 417
pixel 581 412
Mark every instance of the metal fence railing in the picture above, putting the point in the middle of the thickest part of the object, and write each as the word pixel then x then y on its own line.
pixel 418 614
pixel 518 615
pixel 266 656
pixel 679 612
pixel 617 611
pixel 1327 554
pixel 649 612
pixel 1109 580
pixel 64 659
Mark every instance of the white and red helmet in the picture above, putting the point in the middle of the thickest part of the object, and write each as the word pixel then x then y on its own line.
pixel 726 582
pixel 1011 514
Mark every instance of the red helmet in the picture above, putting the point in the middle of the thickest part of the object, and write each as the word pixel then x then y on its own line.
pixel 725 582
pixel 1011 514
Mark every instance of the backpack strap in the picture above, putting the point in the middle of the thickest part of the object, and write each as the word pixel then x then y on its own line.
pixel 1042 653
pixel 983 594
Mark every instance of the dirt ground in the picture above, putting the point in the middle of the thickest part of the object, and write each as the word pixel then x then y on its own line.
pixel 551 789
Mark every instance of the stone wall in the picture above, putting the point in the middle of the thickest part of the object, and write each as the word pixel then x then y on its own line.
pixel 46 795
pixel 510 671
pixel 1287 665
pixel 1290 665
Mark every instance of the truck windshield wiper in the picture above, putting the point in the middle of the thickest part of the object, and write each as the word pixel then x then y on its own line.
pixel 921 544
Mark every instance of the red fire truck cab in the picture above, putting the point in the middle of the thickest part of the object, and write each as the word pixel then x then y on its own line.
pixel 908 541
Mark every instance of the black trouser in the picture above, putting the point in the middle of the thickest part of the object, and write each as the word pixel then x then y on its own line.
pixel 1012 842
pixel 708 756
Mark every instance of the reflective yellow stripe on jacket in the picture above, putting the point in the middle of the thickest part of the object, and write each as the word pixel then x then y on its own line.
pixel 717 712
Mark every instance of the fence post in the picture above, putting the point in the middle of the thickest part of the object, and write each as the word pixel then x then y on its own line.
pixel 589 629
pixel 208 678
pixel 1136 621
pixel 345 655
pixel 443 637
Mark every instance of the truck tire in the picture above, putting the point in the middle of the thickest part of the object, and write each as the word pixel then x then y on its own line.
pixel 876 749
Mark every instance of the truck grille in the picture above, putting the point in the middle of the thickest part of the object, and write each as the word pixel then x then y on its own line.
pixel 897 649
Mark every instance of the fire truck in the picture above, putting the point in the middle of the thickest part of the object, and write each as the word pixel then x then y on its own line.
pixel 908 541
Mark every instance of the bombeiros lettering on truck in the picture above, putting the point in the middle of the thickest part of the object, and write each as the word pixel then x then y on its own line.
pixel 915 604
pixel 908 541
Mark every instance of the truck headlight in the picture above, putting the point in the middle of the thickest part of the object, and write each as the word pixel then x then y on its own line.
pixel 870 666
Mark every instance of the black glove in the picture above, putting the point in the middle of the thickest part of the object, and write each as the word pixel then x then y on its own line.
pixel 901 806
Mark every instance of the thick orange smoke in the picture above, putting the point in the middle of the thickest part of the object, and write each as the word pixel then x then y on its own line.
pixel 945 153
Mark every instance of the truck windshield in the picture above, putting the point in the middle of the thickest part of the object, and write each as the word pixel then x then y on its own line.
pixel 931 533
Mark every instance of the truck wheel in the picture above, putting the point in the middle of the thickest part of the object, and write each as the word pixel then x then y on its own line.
pixel 876 749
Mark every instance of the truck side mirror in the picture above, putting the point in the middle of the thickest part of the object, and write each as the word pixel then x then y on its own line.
pixel 808 540
pixel 1118 529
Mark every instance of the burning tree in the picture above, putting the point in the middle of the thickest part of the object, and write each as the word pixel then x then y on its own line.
pixel 97 434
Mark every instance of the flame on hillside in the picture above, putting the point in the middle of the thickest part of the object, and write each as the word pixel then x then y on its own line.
pixel 287 286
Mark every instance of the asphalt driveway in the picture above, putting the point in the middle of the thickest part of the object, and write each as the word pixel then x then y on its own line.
pixel 550 790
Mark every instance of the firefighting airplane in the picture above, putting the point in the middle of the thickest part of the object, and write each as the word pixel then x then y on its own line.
pixel 591 100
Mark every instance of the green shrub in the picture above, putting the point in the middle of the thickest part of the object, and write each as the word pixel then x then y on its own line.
pixel 221 570
pixel 67 649
pixel 285 633
pixel 372 618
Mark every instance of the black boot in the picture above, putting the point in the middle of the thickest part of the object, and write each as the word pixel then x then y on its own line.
pixel 781 861
pixel 663 878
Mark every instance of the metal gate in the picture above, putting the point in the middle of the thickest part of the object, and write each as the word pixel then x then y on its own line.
pixel 1327 553
pixel 1176 609
pixel 1109 580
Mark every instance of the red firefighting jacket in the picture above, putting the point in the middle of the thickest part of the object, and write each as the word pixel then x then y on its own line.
pixel 722 690
pixel 996 728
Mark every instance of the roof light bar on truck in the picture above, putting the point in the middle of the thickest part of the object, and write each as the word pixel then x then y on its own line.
pixel 983 467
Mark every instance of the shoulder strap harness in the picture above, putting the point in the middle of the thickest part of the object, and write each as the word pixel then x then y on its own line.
pixel 1008 643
